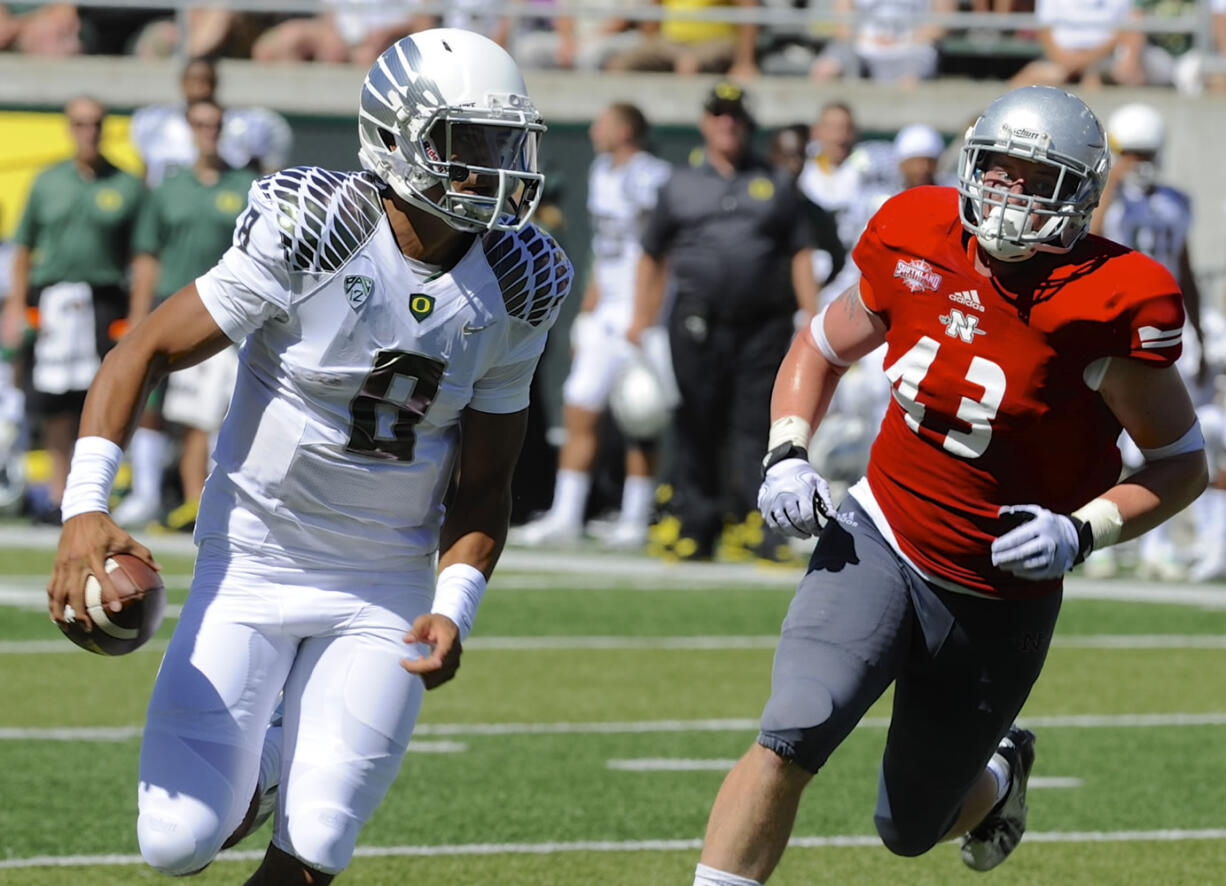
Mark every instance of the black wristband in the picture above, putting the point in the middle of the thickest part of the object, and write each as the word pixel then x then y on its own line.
pixel 781 452
pixel 1085 539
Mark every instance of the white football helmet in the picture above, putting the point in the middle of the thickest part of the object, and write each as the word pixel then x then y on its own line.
pixel 440 105
pixel 1045 125
pixel 638 401
pixel 1138 128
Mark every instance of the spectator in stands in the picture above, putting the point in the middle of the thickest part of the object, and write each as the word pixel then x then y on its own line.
pixel 918 149
pixel 1084 41
pixel 575 42
pixel 212 31
pixel 735 238
pixel 1196 71
pixel 692 46
pixel 622 186
pixel 50 30
pixel 184 227
pixel 256 137
pixel 888 42
pixel 354 31
pixel 73 248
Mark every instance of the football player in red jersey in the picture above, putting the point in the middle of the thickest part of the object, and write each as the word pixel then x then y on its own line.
pixel 1017 348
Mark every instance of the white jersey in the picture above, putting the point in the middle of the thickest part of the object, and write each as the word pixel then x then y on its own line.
pixel 355 367
pixel 248 136
pixel 851 192
pixel 620 198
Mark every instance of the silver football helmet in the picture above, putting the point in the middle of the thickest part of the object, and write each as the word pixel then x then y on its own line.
pixel 441 105
pixel 1045 125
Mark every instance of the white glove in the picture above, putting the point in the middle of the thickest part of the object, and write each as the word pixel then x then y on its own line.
pixel 1045 546
pixel 794 499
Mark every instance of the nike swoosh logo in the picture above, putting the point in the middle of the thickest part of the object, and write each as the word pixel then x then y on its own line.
pixel 469 329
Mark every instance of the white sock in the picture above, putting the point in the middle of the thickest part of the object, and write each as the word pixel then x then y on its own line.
pixel 270 759
pixel 637 496
pixel 570 496
pixel 1000 769
pixel 705 876
pixel 1156 543
pixel 147 455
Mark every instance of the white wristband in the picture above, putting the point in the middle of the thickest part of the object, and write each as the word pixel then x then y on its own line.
pixel 458 593
pixel 95 461
pixel 789 429
pixel 1105 521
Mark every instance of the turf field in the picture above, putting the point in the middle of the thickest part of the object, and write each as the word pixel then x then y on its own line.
pixel 600 701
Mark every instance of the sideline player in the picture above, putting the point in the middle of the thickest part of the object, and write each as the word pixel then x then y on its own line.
pixel 390 321
pixel 622 187
pixel 1017 349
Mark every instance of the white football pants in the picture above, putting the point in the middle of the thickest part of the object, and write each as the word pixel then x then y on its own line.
pixel 334 643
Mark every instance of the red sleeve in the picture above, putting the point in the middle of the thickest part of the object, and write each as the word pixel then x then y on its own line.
pixel 1150 319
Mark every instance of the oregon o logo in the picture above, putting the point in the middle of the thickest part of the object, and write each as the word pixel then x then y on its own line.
pixel 761 189
pixel 108 199
pixel 421 305
pixel 228 202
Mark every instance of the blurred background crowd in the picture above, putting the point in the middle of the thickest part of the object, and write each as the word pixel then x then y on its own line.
pixel 703 246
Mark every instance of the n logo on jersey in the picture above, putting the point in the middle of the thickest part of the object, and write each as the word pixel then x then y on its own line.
pixel 358 289
pixel 917 274
pixel 421 305
pixel 960 325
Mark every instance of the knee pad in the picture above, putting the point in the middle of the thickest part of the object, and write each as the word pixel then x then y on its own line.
pixel 323 837
pixel 170 844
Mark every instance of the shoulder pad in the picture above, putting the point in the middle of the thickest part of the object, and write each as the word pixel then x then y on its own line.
pixel 323 217
pixel 533 272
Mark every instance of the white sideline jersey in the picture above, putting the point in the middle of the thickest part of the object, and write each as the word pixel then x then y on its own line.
pixel 620 198
pixel 249 136
pixel 356 364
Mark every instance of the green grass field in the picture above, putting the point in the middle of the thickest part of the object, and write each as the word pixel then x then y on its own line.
pixel 588 731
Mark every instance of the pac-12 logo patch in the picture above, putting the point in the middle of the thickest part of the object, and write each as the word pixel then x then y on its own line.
pixel 917 274
pixel 358 289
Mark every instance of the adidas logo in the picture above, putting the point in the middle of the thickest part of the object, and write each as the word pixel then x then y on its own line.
pixel 969 298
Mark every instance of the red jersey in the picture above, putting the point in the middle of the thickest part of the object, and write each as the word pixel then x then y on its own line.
pixel 991 405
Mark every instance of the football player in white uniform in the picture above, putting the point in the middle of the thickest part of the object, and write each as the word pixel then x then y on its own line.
pixel 622 186
pixel 1141 212
pixel 390 322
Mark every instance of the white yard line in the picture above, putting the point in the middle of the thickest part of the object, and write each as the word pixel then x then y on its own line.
pixel 708 642
pixel 552 848
pixel 451 730
pixel 589 567
pixel 690 764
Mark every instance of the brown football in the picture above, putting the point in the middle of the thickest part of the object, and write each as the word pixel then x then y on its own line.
pixel 143 597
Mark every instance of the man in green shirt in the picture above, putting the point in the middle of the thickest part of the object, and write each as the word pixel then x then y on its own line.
pixel 73 248
pixel 183 229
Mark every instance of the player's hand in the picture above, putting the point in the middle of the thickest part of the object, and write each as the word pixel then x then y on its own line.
pixel 442 639
pixel 1044 546
pixel 794 499
pixel 85 542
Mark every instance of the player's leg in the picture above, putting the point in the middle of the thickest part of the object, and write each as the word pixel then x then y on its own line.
pixel 208 714
pixel 954 704
pixel 638 497
pixel 598 358
pixel 844 637
pixel 350 709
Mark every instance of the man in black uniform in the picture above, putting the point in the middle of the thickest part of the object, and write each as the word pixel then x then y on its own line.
pixel 735 237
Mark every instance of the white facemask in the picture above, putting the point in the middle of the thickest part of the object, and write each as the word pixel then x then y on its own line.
pixel 1004 225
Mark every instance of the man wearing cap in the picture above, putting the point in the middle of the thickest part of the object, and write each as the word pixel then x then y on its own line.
pixel 735 238
pixel 918 148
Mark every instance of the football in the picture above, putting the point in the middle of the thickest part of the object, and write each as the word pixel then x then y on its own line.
pixel 143 597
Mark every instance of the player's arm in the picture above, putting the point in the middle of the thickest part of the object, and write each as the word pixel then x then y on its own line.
pixel 180 333
pixel 1154 408
pixel 793 498
pixel 474 532
pixel 650 285
pixel 804 282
